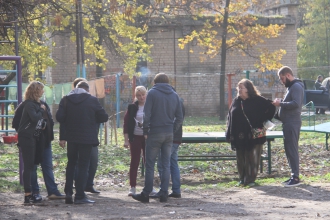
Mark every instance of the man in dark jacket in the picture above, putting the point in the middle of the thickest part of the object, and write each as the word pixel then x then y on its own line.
pixel 162 117
pixel 80 113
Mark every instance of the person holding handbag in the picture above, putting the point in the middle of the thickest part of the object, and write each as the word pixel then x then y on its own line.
pixel 245 129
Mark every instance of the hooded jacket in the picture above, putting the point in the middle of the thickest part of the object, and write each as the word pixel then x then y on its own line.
pixel 162 110
pixel 290 107
pixel 79 115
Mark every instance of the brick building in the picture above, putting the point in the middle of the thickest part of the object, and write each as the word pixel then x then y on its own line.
pixel 195 81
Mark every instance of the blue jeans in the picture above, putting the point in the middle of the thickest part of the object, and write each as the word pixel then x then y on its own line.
pixel 174 168
pixel 82 153
pixel 93 162
pixel 155 144
pixel 47 172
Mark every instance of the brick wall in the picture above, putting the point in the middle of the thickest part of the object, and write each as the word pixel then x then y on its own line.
pixel 197 82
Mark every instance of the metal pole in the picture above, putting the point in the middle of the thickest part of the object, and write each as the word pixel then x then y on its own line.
pixel 247 74
pixel 133 87
pixel 77 41
pixel 118 99
pixel 326 34
pixel 174 57
pixel 82 41
pixel 16 33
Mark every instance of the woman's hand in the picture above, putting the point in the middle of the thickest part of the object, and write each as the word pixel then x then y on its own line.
pixel 126 144
pixel 43 106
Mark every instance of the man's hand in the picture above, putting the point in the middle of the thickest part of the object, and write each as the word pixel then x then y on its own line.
pixel 277 102
pixel 145 136
pixel 62 143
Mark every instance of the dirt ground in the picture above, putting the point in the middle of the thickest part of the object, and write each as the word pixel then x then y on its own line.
pixel 260 202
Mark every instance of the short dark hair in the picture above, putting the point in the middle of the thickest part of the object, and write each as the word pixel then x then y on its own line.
pixel 284 70
pixel 83 85
pixel 77 80
pixel 161 78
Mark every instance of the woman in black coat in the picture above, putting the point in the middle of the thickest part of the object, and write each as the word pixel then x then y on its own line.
pixel 32 113
pixel 248 109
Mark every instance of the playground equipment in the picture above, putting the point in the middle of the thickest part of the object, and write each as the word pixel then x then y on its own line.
pixel 4 85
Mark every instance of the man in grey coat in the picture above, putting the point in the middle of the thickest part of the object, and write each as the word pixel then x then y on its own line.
pixel 290 114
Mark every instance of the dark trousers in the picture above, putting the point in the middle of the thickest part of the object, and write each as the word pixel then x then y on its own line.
pixel 28 149
pixel 248 161
pixel 291 132
pixel 82 153
pixel 136 147
pixel 92 167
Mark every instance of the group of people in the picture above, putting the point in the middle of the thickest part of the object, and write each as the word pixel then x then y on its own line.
pixel 79 115
pixel 248 113
pixel 152 128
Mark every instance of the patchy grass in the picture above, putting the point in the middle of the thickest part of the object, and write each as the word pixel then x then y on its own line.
pixel 114 161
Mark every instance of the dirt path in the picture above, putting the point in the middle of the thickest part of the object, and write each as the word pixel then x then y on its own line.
pixel 261 202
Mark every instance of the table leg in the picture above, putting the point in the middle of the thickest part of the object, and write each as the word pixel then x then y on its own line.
pixel 326 140
pixel 269 157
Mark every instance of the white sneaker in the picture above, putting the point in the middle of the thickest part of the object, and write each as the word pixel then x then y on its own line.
pixel 131 191
pixel 154 192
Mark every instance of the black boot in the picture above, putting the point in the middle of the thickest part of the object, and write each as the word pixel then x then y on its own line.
pixel 141 197
pixel 163 197
pixel 68 199
pixel 32 199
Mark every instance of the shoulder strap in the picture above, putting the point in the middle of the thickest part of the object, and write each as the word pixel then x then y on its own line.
pixel 245 114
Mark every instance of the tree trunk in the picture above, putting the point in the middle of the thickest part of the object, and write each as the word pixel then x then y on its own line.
pixel 223 62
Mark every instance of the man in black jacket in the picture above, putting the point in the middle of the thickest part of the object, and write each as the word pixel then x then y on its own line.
pixel 79 115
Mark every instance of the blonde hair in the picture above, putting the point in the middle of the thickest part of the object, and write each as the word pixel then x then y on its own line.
pixel 141 89
pixel 32 91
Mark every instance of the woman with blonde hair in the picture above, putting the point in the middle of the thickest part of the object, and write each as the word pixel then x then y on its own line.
pixel 133 134
pixel 31 116
pixel 249 110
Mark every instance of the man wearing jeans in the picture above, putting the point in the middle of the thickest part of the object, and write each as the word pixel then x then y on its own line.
pixel 174 166
pixel 162 117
